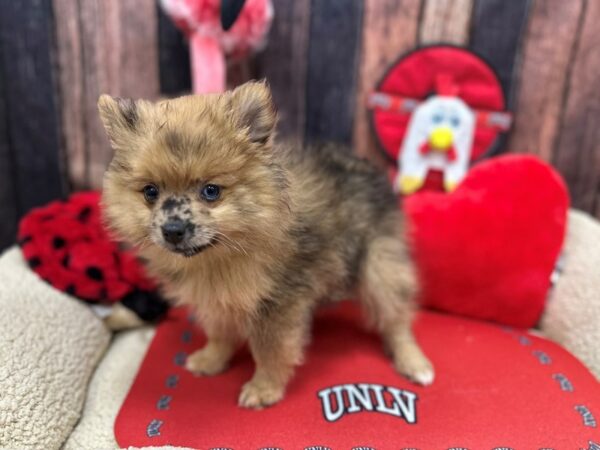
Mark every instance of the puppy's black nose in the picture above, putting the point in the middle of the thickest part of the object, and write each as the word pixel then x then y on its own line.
pixel 173 231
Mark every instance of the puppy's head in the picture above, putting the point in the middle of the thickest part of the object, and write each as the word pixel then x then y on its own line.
pixel 193 173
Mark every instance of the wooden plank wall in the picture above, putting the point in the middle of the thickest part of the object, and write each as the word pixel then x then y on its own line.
pixel 8 197
pixel 333 58
pixel 283 63
pixel 577 149
pixel 322 58
pixel 546 59
pixel 390 29
pixel 103 47
pixel 31 170
pixel 496 31
pixel 445 21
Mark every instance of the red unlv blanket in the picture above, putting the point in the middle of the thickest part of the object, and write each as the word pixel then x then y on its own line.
pixel 495 388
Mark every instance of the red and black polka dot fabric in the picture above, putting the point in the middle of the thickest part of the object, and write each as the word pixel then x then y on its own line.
pixel 66 244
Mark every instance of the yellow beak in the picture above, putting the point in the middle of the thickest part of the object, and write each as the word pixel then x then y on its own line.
pixel 441 139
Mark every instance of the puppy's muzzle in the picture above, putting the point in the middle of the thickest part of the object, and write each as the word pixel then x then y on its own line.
pixel 174 231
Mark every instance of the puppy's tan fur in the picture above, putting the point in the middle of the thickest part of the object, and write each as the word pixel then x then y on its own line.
pixel 291 227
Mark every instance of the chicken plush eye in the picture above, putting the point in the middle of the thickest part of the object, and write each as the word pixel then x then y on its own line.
pixel 437 118
pixel 455 121
pixel 210 192
pixel 150 193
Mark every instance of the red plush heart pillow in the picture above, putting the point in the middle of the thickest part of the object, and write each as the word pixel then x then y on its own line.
pixel 487 250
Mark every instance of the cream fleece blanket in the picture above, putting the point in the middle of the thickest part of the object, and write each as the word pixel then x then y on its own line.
pixel 108 389
pixel 572 318
pixel 572 314
pixel 49 346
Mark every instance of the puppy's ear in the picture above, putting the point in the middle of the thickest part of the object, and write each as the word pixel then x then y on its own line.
pixel 120 117
pixel 253 111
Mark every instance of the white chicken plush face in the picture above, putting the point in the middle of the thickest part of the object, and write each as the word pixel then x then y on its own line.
pixel 439 136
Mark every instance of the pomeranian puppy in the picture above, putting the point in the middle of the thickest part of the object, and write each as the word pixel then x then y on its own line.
pixel 252 234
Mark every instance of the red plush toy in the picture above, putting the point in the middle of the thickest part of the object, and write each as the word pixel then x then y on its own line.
pixel 488 248
pixel 436 110
pixel 216 29
pixel 66 244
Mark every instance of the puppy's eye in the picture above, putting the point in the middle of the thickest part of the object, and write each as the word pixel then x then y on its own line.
pixel 150 193
pixel 210 192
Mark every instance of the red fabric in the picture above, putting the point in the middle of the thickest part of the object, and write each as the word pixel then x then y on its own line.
pixel 487 250
pixel 494 388
pixel 66 244
pixel 422 73
pixel 445 85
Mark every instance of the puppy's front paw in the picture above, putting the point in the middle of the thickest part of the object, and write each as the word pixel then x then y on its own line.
pixel 207 361
pixel 259 394
pixel 413 364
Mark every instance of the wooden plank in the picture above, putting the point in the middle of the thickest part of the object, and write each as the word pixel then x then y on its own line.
pixel 284 63
pixel 577 151
pixel 33 119
pixel 389 30
pixel 546 60
pixel 239 72
pixel 138 56
pixel 333 57
pixel 174 57
pixel 126 65
pixel 497 27
pixel 8 200
pixel 103 47
pixel 92 17
pixel 445 21
pixel 70 73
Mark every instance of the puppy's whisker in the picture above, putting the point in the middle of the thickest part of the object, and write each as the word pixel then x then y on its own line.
pixel 142 243
pixel 227 244
pixel 224 238
pixel 240 248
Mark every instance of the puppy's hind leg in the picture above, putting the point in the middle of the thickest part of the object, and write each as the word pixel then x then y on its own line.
pixel 388 287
